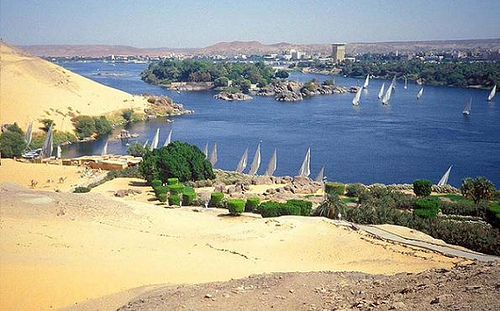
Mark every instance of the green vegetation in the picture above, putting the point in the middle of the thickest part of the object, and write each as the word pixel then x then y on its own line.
pixel 282 74
pixel 58 138
pixel 180 160
pixel 216 199
pixel 291 207
pixel 236 206
pixel 252 204
pixel 486 74
pixel 155 183
pixel 270 209
pixel 12 142
pixel 136 150
pixel 87 126
pixel 162 197
pixel 241 74
pixel 172 181
pixel 422 187
pixel 304 206
pixel 335 188
pixel 354 190
pixel 427 207
pixel 174 200
pixel 188 196
pixel 176 189
pixel 82 189
pixel 127 115
pixel 477 189
pixel 46 123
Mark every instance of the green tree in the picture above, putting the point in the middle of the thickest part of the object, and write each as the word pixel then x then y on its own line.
pixel 12 144
pixel 422 187
pixel 102 126
pixel 221 82
pixel 477 189
pixel 282 74
pixel 136 150
pixel 127 115
pixel 84 126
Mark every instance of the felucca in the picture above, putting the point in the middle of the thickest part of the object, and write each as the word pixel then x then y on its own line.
pixel 305 169
pixel 254 167
pixel 444 180
pixel 242 164
pixel 419 94
pixel 213 155
pixel 271 167
pixel 381 92
pixel 492 93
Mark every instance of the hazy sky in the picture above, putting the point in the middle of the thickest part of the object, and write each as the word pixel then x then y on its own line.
pixel 192 23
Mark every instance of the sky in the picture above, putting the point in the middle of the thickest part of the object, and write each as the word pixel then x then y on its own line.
pixel 198 23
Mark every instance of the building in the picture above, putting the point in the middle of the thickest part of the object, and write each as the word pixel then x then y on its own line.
pixel 338 52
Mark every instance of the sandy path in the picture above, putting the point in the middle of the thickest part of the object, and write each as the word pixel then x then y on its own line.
pixel 68 248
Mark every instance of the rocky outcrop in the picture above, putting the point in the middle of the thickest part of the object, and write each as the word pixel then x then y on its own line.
pixel 291 91
pixel 232 96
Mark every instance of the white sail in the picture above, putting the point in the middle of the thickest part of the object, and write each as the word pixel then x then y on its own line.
pixel 492 93
pixel 444 180
pixel 59 151
pixel 47 144
pixel 367 81
pixel 205 150
pixel 145 144
pixel 419 94
pixel 355 100
pixel 406 83
pixel 29 134
pixel 467 107
pixel 321 173
pixel 169 139
pixel 271 167
pixel 213 155
pixel 105 149
pixel 156 138
pixel 387 96
pixel 393 82
pixel 381 92
pixel 305 169
pixel 242 164
pixel 254 167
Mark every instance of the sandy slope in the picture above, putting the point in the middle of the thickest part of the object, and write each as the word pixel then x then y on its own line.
pixel 32 89
pixel 61 248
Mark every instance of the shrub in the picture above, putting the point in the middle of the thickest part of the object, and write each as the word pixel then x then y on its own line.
pixel 84 126
pixel 270 209
pixel 188 198
pixel 477 189
pixel 464 208
pixel 304 206
pixel 289 209
pixel 12 144
pixel 161 189
pixel 136 150
pixel 426 208
pixel 493 215
pixel 172 181
pixel 174 199
pixel 236 206
pixel 335 188
pixel 216 199
pixel 181 160
pixel 252 204
pixel 102 126
pixel 81 190
pixel 127 114
pixel 422 187
pixel 155 183
pixel 355 190
pixel 176 189
pixel 162 197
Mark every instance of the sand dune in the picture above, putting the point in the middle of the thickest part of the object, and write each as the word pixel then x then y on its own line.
pixel 58 249
pixel 32 89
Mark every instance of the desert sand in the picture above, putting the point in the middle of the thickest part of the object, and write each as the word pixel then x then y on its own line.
pixel 59 249
pixel 32 89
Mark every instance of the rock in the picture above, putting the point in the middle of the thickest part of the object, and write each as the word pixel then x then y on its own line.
pixel 233 96
pixel 208 296
pixel 398 305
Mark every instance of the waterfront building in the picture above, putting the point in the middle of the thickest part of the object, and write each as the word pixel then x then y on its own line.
pixel 338 52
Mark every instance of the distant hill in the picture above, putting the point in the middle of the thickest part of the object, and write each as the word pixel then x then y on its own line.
pixel 258 48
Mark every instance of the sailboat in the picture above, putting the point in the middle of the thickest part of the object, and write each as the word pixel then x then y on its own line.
pixel 467 107
pixel 444 180
pixel 367 81
pixel 355 100
pixel 381 92
pixel 271 167
pixel 492 93
pixel 169 139
pixel 59 151
pixel 205 150
pixel 243 162
pixel 419 94
pixel 29 134
pixel 393 82
pixel 213 155
pixel 320 176
pixel 254 167
pixel 105 149
pixel 305 169
pixel 387 96
pixel 47 144
pixel 406 83
pixel 145 144
pixel 156 138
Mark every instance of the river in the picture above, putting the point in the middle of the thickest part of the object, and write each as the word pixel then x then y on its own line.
pixel 406 140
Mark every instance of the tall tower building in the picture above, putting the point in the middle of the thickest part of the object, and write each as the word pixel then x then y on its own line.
pixel 338 52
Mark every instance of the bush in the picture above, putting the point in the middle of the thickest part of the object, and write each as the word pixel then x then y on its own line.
pixel 155 183
pixel 282 74
pixel 102 126
pixel 355 190
pixel 188 198
pixel 464 208
pixel 136 150
pixel 477 189
pixel 172 181
pixel 252 204
pixel 493 215
pixel 162 197
pixel 127 114
pixel 426 208
pixel 216 199
pixel 86 126
pixel 81 190
pixel 422 187
pixel 161 189
pixel 304 206
pixel 174 199
pixel 270 209
pixel 335 188
pixel 176 189
pixel 289 209
pixel 236 206
pixel 181 160
pixel 12 144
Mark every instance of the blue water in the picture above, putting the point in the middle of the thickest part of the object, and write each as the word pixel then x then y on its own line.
pixel 406 140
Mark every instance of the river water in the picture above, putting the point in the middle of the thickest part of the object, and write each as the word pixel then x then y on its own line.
pixel 406 140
